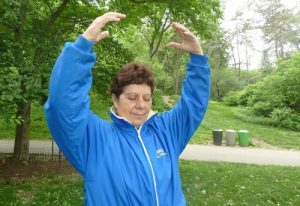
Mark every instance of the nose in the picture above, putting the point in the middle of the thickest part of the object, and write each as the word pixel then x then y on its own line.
pixel 141 103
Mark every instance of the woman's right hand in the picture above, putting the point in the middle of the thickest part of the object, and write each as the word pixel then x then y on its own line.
pixel 94 32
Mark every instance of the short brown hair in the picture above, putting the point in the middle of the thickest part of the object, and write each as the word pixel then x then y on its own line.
pixel 131 73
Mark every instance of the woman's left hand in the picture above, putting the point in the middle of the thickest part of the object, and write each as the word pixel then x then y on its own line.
pixel 189 42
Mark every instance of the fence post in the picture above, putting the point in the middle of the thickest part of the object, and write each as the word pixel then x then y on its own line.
pixel 59 160
pixel 52 150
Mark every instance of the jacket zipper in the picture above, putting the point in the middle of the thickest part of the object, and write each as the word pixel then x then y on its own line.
pixel 150 164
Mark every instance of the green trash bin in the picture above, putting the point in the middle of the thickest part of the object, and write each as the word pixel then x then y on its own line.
pixel 243 136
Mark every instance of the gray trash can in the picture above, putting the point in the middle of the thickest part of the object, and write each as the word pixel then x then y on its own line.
pixel 217 136
pixel 230 137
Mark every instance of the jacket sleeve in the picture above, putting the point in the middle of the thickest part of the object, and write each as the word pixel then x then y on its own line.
pixel 185 117
pixel 68 105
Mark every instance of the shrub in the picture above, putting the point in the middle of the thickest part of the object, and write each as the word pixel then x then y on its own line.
pixel 231 98
pixel 262 108
pixel 246 115
pixel 158 102
pixel 286 117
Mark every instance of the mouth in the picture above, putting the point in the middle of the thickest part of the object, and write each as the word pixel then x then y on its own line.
pixel 139 116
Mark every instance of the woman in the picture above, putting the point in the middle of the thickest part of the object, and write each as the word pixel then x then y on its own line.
pixel 132 160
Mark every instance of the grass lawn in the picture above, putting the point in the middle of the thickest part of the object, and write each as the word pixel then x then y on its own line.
pixel 220 116
pixel 217 116
pixel 204 183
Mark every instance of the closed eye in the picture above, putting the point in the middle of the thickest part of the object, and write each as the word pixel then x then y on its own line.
pixel 132 97
pixel 147 97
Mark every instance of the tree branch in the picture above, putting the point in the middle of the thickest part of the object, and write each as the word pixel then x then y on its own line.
pixel 57 13
pixel 144 35
pixel 147 1
pixel 164 27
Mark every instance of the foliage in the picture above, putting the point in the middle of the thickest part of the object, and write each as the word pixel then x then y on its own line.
pixel 231 98
pixel 158 103
pixel 280 27
pixel 277 96
pixel 31 37
pixel 111 57
pixel 156 16
pixel 30 42
pixel 225 80
pixel 10 92
pixel 163 64
pixel 32 34
pixel 173 65
pixel 147 28
pixel 286 117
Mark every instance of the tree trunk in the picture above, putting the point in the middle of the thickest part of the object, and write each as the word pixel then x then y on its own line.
pixel 21 148
pixel 218 93
pixel 233 56
pixel 247 58
pixel 238 55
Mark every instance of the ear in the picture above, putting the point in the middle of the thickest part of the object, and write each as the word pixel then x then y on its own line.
pixel 115 100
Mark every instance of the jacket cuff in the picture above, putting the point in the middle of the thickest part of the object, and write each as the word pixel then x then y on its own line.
pixel 83 43
pixel 199 59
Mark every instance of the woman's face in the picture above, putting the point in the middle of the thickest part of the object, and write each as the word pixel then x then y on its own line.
pixel 134 103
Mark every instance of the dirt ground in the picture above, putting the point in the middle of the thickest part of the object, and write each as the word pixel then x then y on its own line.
pixel 12 170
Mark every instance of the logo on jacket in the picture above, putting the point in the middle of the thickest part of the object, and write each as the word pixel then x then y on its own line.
pixel 160 153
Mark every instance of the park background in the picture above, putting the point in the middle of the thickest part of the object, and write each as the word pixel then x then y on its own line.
pixel 254 55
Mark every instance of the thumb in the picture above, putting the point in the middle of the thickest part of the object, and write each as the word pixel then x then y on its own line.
pixel 102 35
pixel 175 45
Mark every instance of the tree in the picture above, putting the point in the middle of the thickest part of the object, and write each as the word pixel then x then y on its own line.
pixel 154 17
pixel 26 25
pixel 239 38
pixel 280 27
pixel 266 64
pixel 218 60
pixel 33 33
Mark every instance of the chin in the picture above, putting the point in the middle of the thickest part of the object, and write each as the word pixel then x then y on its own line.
pixel 137 124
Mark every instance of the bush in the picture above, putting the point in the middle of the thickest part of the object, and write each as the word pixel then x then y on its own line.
pixel 246 115
pixel 231 98
pixel 158 102
pixel 286 117
pixel 262 108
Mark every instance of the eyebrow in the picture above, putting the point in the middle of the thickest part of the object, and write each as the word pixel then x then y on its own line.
pixel 133 93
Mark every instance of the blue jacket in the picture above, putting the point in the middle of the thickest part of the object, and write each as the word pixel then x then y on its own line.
pixel 121 165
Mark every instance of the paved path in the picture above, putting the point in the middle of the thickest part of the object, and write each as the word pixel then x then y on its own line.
pixel 242 155
pixel 194 152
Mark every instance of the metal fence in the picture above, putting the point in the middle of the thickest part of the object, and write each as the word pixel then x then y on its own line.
pixel 44 158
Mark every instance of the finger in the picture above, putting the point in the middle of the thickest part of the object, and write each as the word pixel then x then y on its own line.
pixel 189 35
pixel 102 21
pixel 114 16
pixel 117 14
pixel 179 27
pixel 175 45
pixel 109 17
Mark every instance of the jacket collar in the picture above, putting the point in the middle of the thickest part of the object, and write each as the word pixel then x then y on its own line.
pixel 126 124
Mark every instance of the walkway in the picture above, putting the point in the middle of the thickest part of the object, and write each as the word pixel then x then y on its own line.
pixel 242 155
pixel 193 152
